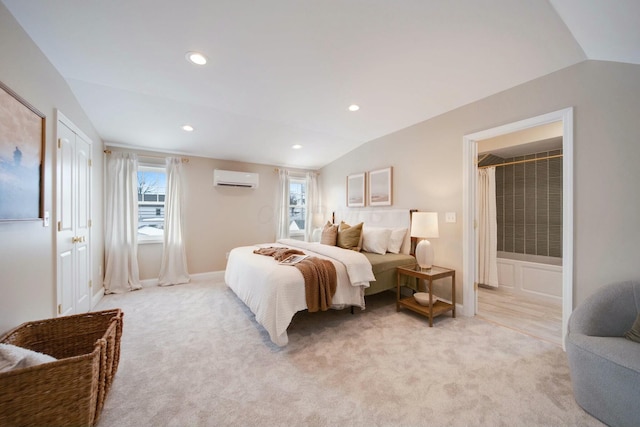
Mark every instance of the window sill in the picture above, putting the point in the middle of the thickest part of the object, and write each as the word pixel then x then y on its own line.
pixel 152 241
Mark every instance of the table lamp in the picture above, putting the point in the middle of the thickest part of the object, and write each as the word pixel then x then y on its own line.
pixel 316 223
pixel 424 225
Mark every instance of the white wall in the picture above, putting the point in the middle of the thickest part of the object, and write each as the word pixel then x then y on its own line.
pixel 27 249
pixel 427 161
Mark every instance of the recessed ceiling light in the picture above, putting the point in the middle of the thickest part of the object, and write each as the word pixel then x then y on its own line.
pixel 296 146
pixel 354 107
pixel 187 128
pixel 196 57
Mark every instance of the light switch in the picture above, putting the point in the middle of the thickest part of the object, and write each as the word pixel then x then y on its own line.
pixel 450 217
pixel 45 222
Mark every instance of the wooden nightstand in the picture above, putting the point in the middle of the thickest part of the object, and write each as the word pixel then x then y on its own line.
pixel 435 273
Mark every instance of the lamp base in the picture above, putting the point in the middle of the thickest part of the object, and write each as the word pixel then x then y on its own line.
pixel 424 254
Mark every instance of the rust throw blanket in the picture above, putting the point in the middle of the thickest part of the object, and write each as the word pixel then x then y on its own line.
pixel 278 253
pixel 320 278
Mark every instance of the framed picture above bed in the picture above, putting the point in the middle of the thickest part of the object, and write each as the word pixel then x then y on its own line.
pixel 355 190
pixel 22 142
pixel 381 187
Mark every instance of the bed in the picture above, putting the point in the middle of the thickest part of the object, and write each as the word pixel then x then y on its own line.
pixel 274 292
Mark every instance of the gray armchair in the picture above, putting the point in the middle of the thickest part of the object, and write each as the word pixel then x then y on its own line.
pixel 605 366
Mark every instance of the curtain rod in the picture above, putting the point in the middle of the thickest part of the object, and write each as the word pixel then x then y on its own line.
pixel 184 159
pixel 279 169
pixel 482 158
pixel 521 161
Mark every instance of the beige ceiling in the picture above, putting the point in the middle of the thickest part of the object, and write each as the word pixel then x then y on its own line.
pixel 283 72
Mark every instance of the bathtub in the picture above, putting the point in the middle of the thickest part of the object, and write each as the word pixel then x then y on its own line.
pixel 536 276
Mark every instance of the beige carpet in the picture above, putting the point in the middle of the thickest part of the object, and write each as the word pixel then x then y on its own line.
pixel 193 355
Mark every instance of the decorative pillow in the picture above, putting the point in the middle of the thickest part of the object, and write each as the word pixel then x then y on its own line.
pixel 396 239
pixel 375 239
pixel 13 357
pixel 349 236
pixel 345 226
pixel 329 234
pixel 633 334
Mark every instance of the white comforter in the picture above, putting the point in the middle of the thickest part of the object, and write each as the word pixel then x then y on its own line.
pixel 274 293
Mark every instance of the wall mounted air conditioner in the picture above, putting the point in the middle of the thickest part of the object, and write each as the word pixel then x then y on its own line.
pixel 222 178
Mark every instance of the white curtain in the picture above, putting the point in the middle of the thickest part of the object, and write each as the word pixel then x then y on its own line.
pixel 173 270
pixel 312 203
pixel 487 228
pixel 121 273
pixel 282 205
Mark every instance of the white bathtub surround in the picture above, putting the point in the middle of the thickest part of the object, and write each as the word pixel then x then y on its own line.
pixel 535 276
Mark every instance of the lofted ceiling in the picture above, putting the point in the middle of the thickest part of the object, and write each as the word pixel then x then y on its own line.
pixel 283 72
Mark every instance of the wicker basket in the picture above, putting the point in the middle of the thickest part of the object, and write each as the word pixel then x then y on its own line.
pixel 71 390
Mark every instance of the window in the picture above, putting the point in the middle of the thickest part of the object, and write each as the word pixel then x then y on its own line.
pixel 297 208
pixel 152 183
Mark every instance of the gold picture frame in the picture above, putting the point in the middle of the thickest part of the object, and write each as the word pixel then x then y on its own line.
pixel 22 147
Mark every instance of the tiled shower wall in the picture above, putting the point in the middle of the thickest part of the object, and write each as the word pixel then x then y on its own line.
pixel 529 205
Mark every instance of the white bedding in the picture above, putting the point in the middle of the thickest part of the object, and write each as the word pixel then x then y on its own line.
pixel 274 293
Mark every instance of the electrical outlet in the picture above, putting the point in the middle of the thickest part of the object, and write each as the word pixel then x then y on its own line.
pixel 450 217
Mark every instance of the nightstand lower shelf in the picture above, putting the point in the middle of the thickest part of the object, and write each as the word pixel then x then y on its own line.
pixel 439 307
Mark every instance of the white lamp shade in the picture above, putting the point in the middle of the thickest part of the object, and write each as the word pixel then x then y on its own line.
pixel 317 220
pixel 424 225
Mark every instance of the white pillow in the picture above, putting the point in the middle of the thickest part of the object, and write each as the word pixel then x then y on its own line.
pixel 396 239
pixel 375 239
pixel 13 357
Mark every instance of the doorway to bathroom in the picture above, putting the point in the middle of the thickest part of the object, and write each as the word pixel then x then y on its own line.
pixel 519 197
pixel 533 274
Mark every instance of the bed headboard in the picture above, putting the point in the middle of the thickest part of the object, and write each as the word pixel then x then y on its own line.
pixel 390 218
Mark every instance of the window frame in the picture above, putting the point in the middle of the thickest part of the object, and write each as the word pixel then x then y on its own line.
pixel 301 233
pixel 150 167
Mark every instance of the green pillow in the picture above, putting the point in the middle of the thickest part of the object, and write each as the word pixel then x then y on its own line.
pixel 633 334
pixel 349 236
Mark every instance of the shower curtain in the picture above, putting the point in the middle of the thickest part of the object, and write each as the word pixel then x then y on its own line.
pixel 487 228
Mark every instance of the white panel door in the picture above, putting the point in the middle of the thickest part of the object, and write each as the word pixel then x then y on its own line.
pixel 66 220
pixel 83 225
pixel 73 201
pixel 66 268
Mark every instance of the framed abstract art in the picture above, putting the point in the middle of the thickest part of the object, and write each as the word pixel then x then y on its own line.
pixel 22 144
